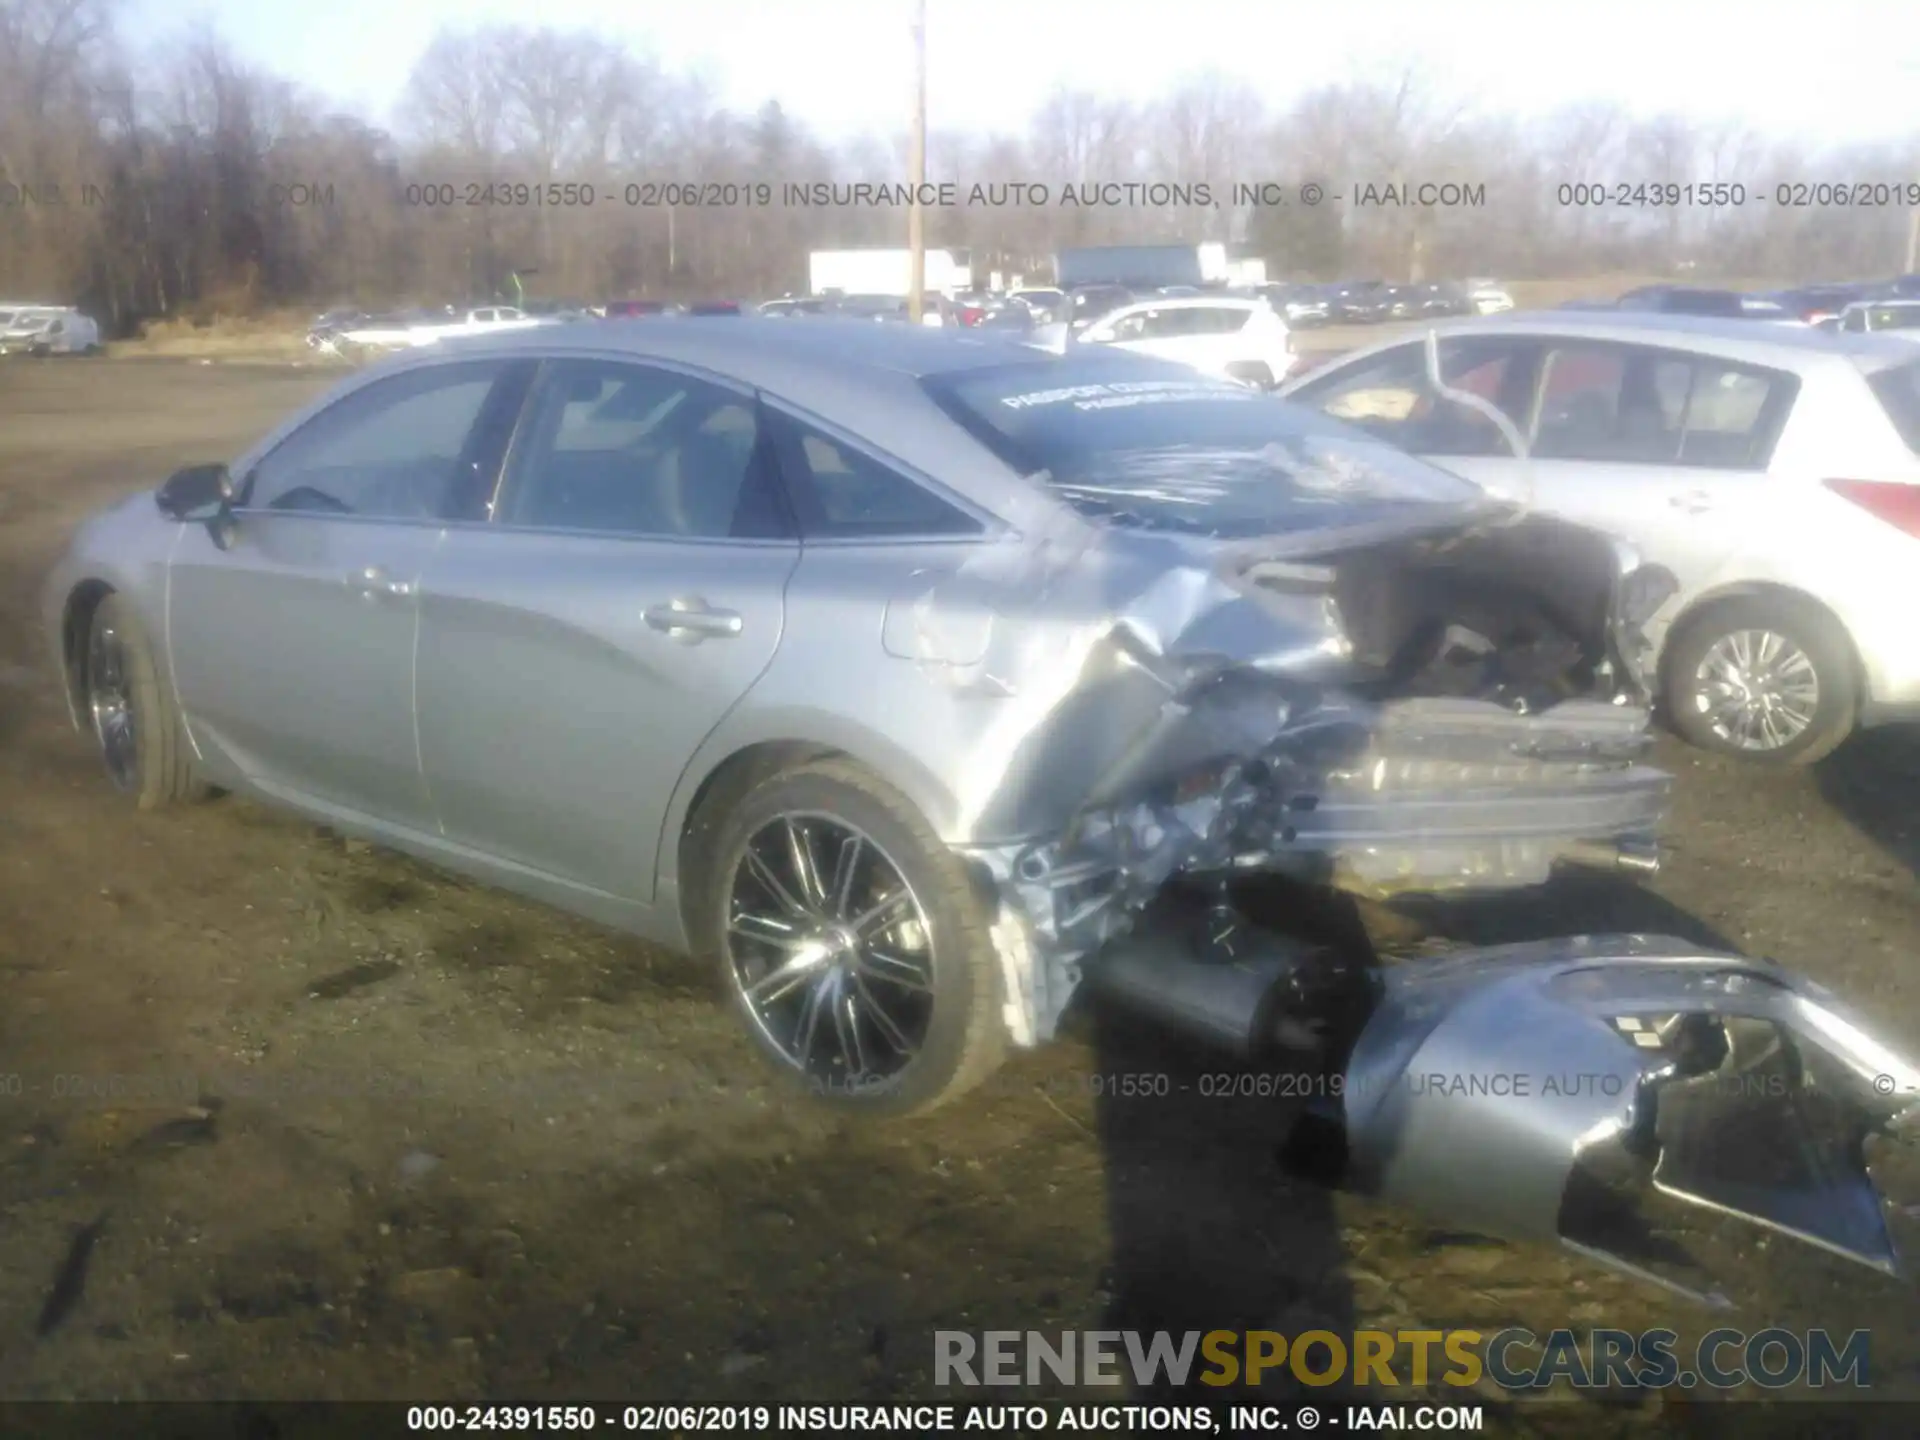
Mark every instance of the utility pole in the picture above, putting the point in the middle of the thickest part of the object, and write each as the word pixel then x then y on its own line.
pixel 917 163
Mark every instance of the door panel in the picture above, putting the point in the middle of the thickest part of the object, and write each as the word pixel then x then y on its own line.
pixel 293 653
pixel 558 705
pixel 293 650
pixel 574 655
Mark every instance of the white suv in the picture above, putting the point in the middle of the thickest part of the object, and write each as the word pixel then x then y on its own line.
pixel 1243 340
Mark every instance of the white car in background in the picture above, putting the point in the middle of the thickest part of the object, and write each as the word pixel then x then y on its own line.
pixel 1773 470
pixel 488 320
pixel 1243 340
pixel 1049 306
pixel 1900 318
pixel 49 330
pixel 1489 297
pixel 407 331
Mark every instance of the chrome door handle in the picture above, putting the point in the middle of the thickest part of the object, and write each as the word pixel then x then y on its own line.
pixel 691 620
pixel 1694 502
pixel 374 583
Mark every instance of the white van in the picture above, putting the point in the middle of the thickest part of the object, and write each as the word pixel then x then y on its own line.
pixel 49 331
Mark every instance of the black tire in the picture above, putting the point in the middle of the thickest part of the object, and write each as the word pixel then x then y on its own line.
pixel 1815 634
pixel 960 1029
pixel 155 767
pixel 1252 372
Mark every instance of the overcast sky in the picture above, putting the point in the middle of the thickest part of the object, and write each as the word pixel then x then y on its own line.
pixel 1838 71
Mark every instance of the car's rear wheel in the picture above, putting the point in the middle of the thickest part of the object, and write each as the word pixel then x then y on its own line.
pixel 854 943
pixel 1762 679
pixel 135 725
pixel 1251 372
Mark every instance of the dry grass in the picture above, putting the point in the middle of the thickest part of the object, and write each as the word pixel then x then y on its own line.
pixel 214 334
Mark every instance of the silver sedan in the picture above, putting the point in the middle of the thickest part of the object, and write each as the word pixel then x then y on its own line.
pixel 899 671
pixel 916 679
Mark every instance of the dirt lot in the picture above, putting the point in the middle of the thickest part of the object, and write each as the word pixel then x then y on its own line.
pixel 282 1116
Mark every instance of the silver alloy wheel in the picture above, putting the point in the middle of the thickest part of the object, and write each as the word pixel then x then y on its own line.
pixel 110 699
pixel 830 950
pixel 1756 689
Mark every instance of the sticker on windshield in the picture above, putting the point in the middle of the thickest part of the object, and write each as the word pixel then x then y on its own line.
pixel 1119 394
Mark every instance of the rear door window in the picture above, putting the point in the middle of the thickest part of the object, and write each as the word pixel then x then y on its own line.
pixel 1629 404
pixel 843 493
pixel 627 449
pixel 1220 320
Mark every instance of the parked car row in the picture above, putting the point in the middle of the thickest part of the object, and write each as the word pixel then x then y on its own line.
pixel 1857 307
pixel 1370 302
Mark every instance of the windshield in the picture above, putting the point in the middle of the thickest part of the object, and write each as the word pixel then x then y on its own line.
pixel 1149 446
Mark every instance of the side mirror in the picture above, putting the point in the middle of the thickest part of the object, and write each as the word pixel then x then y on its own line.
pixel 200 495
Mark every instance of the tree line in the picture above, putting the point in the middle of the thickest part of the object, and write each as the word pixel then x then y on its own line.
pixel 576 167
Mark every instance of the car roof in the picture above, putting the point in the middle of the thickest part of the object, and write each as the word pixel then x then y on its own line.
pixel 840 368
pixel 1785 347
pixel 860 376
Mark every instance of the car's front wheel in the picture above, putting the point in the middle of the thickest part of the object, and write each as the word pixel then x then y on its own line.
pixel 146 753
pixel 1762 679
pixel 854 942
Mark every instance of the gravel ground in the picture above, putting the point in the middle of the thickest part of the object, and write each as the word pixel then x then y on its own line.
pixel 282 1116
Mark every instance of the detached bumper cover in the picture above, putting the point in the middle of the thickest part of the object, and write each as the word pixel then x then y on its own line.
pixel 1503 1090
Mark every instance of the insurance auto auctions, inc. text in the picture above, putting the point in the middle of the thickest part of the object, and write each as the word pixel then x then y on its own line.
pixel 1127 194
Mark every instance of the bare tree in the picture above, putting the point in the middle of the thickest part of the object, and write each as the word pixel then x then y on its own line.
pixel 196 182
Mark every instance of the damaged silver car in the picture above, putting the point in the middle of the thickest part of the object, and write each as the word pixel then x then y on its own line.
pixel 924 680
